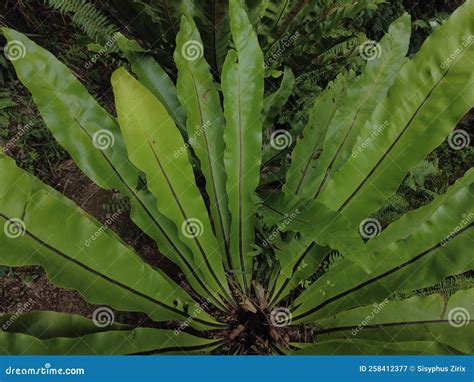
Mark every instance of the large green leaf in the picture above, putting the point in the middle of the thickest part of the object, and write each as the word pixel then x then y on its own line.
pixel 439 247
pixel 344 287
pixel 93 139
pixel 319 230
pixel 431 94
pixel 242 85
pixel 78 252
pixel 368 347
pixel 305 155
pixel 306 266
pixel 46 324
pixel 156 80
pixel 383 156
pixel 152 141
pixel 409 223
pixel 68 109
pixel 359 102
pixel 442 326
pixel 138 341
pixel 205 123
pixel 75 336
pixel 315 222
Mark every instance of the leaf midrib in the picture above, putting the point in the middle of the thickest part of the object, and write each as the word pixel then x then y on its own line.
pixel 380 326
pixel 308 162
pixel 346 136
pixel 405 129
pixel 240 179
pixel 181 349
pixel 107 278
pixel 400 135
pixel 143 206
pixel 184 215
pixel 211 169
pixel 377 278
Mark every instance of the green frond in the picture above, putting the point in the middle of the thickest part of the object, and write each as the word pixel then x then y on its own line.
pixel 417 177
pixel 6 103
pixel 87 17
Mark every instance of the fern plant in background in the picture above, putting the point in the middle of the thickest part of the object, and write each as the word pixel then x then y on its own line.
pixel 427 16
pixel 87 17
pixel 6 98
pixel 296 33
pixel 305 45
pixel 316 39
pixel 6 103
pixel 413 186
pixel 246 254
pixel 310 35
